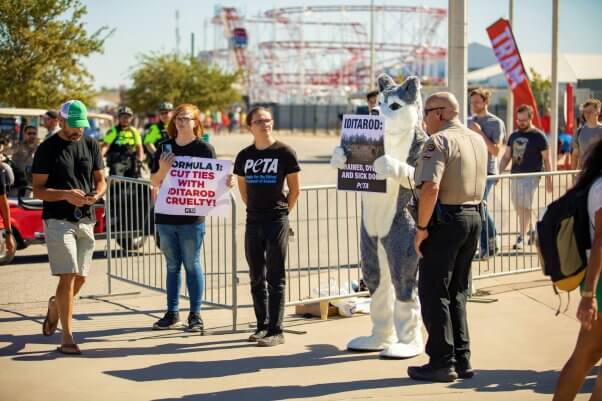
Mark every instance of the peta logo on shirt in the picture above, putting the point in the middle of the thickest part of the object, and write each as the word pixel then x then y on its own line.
pixel 265 166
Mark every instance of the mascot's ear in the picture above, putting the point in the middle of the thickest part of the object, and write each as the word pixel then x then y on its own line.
pixel 384 81
pixel 408 91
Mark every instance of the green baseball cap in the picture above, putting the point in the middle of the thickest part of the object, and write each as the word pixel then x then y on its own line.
pixel 75 113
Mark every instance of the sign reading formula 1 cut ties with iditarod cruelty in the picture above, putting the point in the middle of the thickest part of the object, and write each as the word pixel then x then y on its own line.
pixel 362 139
pixel 506 52
pixel 195 186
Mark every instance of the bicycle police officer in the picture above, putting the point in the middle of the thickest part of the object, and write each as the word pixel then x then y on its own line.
pixel 451 175
pixel 157 132
pixel 122 146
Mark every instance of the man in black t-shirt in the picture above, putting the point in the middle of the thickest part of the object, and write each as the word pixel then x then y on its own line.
pixel 262 169
pixel 68 176
pixel 528 150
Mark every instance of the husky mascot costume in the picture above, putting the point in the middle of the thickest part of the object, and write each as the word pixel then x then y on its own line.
pixel 389 261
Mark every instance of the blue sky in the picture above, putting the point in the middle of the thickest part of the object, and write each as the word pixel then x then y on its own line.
pixel 143 26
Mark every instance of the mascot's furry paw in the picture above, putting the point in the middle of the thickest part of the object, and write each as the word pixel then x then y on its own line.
pixel 404 350
pixel 389 167
pixel 370 343
pixel 338 158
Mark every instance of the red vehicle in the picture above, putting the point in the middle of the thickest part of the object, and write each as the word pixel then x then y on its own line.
pixel 28 227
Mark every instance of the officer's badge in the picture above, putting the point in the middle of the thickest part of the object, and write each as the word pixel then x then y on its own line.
pixel 428 150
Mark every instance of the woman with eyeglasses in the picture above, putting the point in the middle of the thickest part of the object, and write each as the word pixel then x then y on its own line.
pixel 181 236
pixel 262 168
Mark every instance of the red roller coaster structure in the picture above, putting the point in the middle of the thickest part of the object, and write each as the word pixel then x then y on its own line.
pixel 323 52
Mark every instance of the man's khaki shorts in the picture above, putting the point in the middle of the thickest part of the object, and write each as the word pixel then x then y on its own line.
pixel 70 246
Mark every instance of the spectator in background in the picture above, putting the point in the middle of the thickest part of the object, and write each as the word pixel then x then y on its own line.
pixel 528 150
pixel 23 153
pixel 493 131
pixel 226 121
pixel 589 133
pixel 372 99
pixel 565 141
pixel 50 121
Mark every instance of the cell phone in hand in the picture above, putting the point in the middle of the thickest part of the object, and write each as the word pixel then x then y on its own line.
pixel 167 148
pixel 93 193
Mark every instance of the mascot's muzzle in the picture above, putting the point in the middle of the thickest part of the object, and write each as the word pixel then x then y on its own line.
pixel 375 111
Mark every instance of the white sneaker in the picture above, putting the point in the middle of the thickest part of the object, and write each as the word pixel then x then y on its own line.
pixel 519 243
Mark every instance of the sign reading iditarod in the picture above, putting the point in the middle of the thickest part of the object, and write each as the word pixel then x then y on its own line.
pixel 362 138
pixel 195 186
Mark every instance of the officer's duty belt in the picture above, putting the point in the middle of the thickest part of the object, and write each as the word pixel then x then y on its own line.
pixel 459 208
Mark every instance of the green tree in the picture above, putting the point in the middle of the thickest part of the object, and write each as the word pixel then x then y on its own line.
pixel 169 77
pixel 42 43
pixel 541 90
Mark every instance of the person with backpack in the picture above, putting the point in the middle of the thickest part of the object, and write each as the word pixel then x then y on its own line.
pixel 588 349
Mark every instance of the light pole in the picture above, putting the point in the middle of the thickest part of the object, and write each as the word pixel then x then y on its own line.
pixel 510 103
pixel 457 55
pixel 371 46
pixel 554 89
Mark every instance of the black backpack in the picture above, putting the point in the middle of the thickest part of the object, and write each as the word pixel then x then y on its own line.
pixel 563 238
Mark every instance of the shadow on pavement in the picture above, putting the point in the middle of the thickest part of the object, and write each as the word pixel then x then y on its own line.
pixel 485 381
pixel 317 355
pixel 277 393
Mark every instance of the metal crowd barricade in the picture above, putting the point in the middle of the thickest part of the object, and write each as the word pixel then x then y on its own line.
pixel 323 257
pixel 500 203
pixel 133 245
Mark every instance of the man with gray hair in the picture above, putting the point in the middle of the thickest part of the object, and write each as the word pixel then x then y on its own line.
pixel 451 176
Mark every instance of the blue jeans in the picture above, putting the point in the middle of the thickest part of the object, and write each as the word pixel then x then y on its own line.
pixel 488 228
pixel 181 243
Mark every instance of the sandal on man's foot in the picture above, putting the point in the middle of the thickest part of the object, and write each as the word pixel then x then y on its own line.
pixel 48 327
pixel 69 349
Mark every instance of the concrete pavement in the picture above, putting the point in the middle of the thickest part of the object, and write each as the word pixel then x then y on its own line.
pixel 518 347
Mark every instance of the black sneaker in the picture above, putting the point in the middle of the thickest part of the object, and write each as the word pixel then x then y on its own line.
pixel 271 340
pixel 258 335
pixel 171 320
pixel 532 237
pixel 430 374
pixel 519 243
pixel 195 323
pixel 464 370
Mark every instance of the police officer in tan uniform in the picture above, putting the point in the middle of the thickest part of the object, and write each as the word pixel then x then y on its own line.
pixel 451 176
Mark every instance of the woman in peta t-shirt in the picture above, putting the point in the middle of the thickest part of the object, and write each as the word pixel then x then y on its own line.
pixel 261 169
pixel 181 236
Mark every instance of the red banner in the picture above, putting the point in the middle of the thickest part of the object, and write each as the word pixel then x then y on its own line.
pixel 570 104
pixel 506 52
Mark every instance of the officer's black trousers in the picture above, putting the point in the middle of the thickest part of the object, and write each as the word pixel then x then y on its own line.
pixel 443 285
pixel 265 249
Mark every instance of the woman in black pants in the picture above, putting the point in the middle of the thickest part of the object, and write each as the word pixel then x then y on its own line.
pixel 262 169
